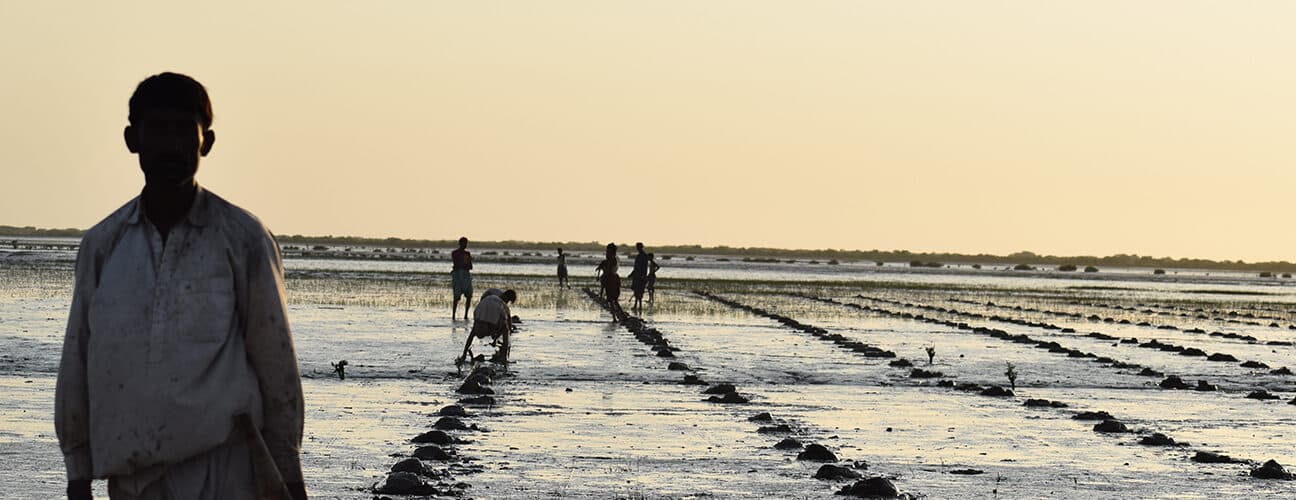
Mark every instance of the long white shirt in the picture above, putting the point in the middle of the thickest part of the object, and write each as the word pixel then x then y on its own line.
pixel 167 342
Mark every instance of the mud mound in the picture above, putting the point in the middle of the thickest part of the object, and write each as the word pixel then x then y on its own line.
pixel 1271 470
pixel 817 453
pixel 835 473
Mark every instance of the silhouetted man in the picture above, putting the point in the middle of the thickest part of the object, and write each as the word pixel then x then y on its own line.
pixel 178 371
pixel 461 277
pixel 639 276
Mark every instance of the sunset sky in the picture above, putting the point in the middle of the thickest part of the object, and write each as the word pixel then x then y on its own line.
pixel 1163 128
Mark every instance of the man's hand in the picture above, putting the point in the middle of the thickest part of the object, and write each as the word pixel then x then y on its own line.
pixel 80 490
pixel 298 490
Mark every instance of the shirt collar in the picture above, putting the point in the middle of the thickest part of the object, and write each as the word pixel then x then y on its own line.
pixel 199 212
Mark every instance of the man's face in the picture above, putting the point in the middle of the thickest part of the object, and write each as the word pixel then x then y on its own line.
pixel 169 144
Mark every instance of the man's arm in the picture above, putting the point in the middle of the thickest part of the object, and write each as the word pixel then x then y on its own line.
pixel 270 350
pixel 71 398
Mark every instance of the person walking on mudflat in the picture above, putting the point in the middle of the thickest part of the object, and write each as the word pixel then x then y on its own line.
pixel 562 268
pixel 610 282
pixel 639 277
pixel 461 278
pixel 178 378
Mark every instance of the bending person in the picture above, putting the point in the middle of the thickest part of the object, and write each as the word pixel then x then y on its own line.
pixel 492 318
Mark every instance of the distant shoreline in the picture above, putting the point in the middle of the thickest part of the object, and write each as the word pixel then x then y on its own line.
pixel 916 259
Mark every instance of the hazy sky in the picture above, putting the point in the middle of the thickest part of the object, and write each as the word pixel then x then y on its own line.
pixel 1152 127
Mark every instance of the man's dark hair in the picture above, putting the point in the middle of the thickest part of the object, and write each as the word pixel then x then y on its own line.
pixel 463 240
pixel 172 91
pixel 509 296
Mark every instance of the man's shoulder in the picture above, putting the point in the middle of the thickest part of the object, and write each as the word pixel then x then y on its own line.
pixel 236 219
pixel 110 225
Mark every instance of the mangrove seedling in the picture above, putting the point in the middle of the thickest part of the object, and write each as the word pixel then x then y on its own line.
pixel 1012 375
pixel 340 369
pixel 931 354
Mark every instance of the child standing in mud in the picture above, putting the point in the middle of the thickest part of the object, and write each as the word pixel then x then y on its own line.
pixel 610 282
pixel 652 276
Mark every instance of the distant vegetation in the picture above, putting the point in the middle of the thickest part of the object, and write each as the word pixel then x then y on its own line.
pixel 917 259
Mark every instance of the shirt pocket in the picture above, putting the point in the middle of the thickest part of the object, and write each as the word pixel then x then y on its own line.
pixel 203 310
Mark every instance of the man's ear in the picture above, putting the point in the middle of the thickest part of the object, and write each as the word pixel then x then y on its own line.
pixel 132 142
pixel 209 138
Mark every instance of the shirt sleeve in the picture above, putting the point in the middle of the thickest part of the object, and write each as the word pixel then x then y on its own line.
pixel 71 398
pixel 270 350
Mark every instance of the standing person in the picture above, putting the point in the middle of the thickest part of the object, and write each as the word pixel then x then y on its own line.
pixel 178 377
pixel 492 318
pixel 562 268
pixel 652 276
pixel 461 277
pixel 639 276
pixel 610 282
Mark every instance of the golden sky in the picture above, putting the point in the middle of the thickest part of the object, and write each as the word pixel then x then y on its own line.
pixel 1090 127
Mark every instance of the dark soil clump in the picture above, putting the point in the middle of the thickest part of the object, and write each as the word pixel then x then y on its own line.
pixel 835 473
pixel 1207 457
pixel 1262 395
pixel 453 411
pixel 1174 382
pixel 1093 415
pixel 817 453
pixel 873 487
pixel 1159 439
pixel 1271 470
pixel 720 389
pixel 761 417
pixel 1110 426
pixel 731 397
pixel 432 452
pixel 788 444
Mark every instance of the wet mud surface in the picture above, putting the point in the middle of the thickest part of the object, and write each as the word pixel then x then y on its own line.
pixel 590 408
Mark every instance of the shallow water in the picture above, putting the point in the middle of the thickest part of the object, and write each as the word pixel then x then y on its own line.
pixel 589 412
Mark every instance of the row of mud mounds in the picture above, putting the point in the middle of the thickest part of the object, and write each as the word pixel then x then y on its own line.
pixel 1168 382
pixel 1250 339
pixel 1106 423
pixel 1225 316
pixel 430 466
pixel 728 394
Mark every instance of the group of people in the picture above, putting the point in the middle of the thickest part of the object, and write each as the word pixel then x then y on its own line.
pixel 643 277
pixel 492 318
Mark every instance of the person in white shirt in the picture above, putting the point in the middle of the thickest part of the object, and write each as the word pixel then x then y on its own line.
pixel 491 318
pixel 178 377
